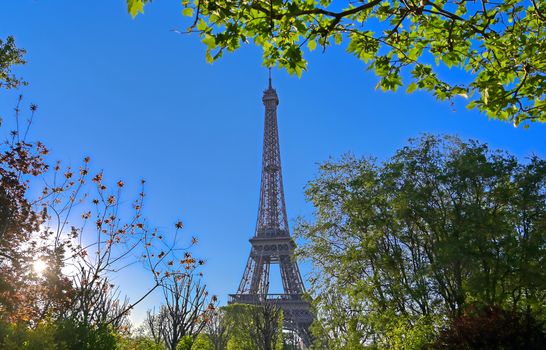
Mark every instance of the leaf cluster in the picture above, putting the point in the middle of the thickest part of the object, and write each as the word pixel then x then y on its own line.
pixel 497 49
pixel 10 55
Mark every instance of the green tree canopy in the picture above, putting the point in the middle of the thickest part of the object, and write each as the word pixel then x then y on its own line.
pixel 402 246
pixel 497 48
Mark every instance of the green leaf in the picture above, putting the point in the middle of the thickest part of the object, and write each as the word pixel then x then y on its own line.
pixel 209 57
pixel 411 88
pixel 338 38
pixel 188 11
pixel 311 45
pixel 135 7
pixel 201 25
pixel 472 104
pixel 210 41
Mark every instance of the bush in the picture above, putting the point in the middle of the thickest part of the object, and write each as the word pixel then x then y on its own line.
pixel 78 336
pixel 202 342
pixel 491 327
pixel 19 336
pixel 185 343
pixel 59 335
pixel 138 343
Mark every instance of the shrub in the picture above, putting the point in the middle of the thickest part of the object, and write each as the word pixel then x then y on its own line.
pixel 185 343
pixel 491 327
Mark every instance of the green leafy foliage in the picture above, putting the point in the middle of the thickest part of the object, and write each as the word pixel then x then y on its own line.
pixel 238 318
pixel 77 335
pixel 491 327
pixel 56 335
pixel 10 56
pixel 138 343
pixel 497 49
pixel 254 327
pixel 136 6
pixel 403 246
pixel 202 342
pixel 185 343
pixel 13 336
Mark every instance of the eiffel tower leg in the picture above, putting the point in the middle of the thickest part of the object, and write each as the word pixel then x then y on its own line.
pixel 291 278
pixel 264 285
pixel 244 286
pixel 256 277
pixel 260 275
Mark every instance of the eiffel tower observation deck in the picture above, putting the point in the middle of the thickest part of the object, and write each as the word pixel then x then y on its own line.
pixel 272 243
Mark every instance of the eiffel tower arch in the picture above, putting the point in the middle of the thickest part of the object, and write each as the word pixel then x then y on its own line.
pixel 272 243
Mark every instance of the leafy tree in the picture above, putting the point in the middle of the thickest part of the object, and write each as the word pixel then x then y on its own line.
pixel 266 332
pixel 253 327
pixel 497 48
pixel 10 56
pixel 238 318
pixel 402 246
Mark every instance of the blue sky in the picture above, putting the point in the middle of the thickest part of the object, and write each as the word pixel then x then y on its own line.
pixel 143 103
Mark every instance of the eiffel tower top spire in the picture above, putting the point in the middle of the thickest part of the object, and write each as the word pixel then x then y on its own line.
pixel 272 219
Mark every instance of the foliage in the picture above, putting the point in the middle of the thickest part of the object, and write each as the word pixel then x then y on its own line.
pixel 266 330
pixel 238 318
pixel 14 335
pixel 61 335
pixel 491 327
pixel 401 247
pixel 184 343
pixel 138 343
pixel 202 342
pixel 497 48
pixel 10 56
pixel 253 327
pixel 75 335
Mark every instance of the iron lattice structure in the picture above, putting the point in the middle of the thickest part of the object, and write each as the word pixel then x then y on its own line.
pixel 272 243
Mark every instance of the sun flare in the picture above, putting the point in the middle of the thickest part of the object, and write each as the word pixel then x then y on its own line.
pixel 39 266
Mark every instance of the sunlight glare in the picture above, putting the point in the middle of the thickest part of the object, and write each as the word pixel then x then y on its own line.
pixel 39 266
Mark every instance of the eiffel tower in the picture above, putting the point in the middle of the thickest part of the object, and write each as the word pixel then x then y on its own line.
pixel 272 243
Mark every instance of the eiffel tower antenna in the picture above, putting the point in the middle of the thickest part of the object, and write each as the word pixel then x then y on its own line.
pixel 272 243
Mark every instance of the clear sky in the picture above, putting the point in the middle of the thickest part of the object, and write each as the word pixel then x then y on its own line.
pixel 143 103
